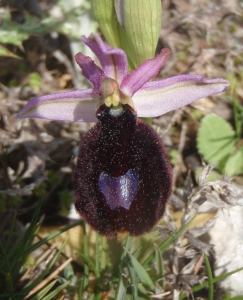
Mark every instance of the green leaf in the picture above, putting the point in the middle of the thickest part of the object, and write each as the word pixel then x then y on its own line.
pixel 44 291
pixel 104 12
pixel 134 280
pixel 142 22
pixel 50 237
pixel 121 289
pixel 37 280
pixel 165 244
pixel 234 164
pixel 90 263
pixel 213 175
pixel 141 273
pixel 215 139
pixel 12 37
pixel 5 52
pixel 210 277
pixel 68 272
pixel 81 289
pixel 56 291
pixel 159 262
pixel 139 34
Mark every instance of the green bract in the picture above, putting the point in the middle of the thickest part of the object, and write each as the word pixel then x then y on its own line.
pixel 142 24
pixel 104 12
pixel 133 26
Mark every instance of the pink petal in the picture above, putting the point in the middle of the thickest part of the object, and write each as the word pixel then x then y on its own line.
pixel 159 97
pixel 143 73
pixel 113 60
pixel 74 106
pixel 90 70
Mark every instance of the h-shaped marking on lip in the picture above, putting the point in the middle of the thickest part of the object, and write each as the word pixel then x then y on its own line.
pixel 119 191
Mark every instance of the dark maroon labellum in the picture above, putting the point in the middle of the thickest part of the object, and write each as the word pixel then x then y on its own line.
pixel 123 176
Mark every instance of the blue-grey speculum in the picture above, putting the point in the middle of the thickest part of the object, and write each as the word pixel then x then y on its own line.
pixel 119 191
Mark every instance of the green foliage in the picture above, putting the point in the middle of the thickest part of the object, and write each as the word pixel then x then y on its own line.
pixel 139 34
pixel 34 81
pixel 53 177
pixel 173 154
pixel 214 175
pixel 215 139
pixel 15 251
pixel 217 142
pixel 70 279
pixel 130 277
pixel 142 274
pixel 7 53
pixel 15 33
pixel 210 278
pixel 234 164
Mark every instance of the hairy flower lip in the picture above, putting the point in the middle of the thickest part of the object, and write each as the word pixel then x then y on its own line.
pixel 150 98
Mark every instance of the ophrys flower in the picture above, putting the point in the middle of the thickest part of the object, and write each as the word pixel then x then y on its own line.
pixel 123 177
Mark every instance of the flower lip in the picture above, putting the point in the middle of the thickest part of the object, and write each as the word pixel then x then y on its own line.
pixel 129 175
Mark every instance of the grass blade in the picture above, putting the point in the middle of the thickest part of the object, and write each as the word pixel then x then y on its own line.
pixel 210 278
pixel 141 273
pixel 50 237
pixel 90 263
pixel 8 272
pixel 56 291
pixel 134 280
pixel 121 289
pixel 163 246
pixel 44 291
pixel 81 289
pixel 159 264
pixel 30 289
pixel 198 287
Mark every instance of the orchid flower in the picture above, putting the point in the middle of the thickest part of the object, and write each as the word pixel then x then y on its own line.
pixel 122 178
